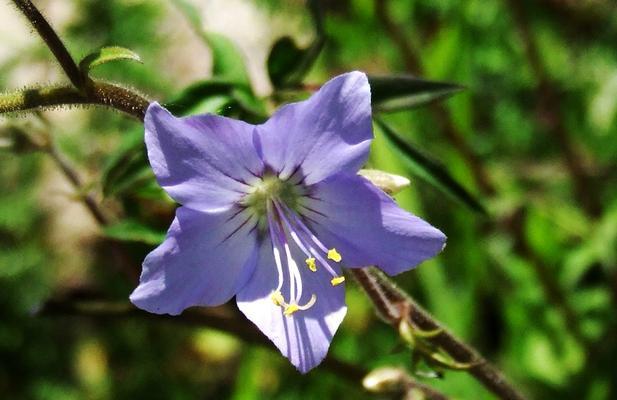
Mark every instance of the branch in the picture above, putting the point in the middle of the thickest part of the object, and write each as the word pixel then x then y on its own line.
pixel 71 174
pixel 97 92
pixel 394 305
pixel 52 40
pixel 222 318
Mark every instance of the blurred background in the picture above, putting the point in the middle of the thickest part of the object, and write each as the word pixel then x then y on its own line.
pixel 521 177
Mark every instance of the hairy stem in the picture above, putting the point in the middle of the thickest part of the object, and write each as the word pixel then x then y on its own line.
pixel 52 40
pixel 96 93
pixel 393 305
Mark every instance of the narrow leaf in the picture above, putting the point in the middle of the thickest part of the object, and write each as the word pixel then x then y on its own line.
pixel 429 169
pixel 398 92
pixel 105 55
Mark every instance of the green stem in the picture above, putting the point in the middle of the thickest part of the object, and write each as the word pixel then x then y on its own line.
pixel 96 93
pixel 52 40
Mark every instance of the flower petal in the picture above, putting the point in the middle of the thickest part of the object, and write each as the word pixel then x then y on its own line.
pixel 303 337
pixel 204 162
pixel 205 259
pixel 367 227
pixel 326 134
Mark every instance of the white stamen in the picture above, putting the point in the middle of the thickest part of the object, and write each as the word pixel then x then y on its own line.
pixel 275 250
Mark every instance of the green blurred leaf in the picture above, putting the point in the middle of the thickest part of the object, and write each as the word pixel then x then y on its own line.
pixel 429 169
pixel 288 63
pixel 126 166
pixel 227 62
pixel 399 92
pixel 105 55
pixel 134 231
pixel 218 96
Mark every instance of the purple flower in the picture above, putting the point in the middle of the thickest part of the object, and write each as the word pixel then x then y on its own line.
pixel 270 213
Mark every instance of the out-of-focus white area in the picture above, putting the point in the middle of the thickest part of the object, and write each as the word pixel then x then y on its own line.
pixel 187 58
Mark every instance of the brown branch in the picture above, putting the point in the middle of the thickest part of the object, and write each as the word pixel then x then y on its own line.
pixel 395 305
pixel 223 318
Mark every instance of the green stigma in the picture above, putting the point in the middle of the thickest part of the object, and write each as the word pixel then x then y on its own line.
pixel 271 188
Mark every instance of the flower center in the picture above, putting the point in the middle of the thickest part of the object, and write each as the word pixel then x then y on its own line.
pixel 271 187
pixel 278 205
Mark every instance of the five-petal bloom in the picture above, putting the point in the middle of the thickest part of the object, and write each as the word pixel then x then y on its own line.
pixel 271 212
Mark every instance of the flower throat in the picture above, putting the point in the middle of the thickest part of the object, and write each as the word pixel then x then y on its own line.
pixel 278 205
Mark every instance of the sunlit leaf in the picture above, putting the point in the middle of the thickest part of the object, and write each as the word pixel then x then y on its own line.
pixel 398 92
pixel 107 54
pixel 218 96
pixel 429 169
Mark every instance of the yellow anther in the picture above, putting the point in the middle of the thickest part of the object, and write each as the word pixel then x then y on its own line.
pixel 277 298
pixel 334 255
pixel 293 307
pixel 337 280
pixel 290 309
pixel 310 263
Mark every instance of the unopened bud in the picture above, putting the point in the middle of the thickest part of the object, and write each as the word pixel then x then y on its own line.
pixel 385 380
pixel 389 183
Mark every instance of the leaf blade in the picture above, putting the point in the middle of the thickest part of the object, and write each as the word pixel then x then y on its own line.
pixel 399 92
pixel 430 170
pixel 105 55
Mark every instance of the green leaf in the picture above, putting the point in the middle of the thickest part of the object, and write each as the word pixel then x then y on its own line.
pixel 220 97
pixel 429 169
pixel 105 55
pixel 126 165
pixel 288 64
pixel 399 92
pixel 227 62
pixel 134 231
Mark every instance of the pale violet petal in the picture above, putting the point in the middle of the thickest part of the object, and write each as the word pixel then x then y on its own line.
pixel 367 227
pixel 303 337
pixel 205 259
pixel 204 162
pixel 327 134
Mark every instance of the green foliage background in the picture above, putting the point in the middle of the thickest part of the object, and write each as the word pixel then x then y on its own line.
pixel 531 283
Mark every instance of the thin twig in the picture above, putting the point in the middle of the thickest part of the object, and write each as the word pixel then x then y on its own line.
pixel 394 304
pixel 52 40
pixel 223 318
pixel 72 175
